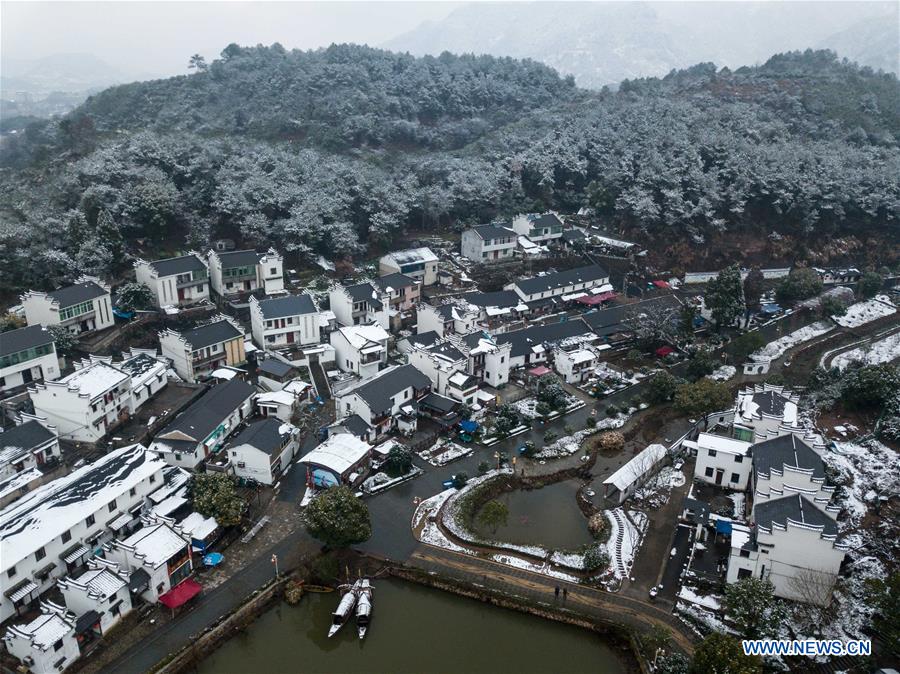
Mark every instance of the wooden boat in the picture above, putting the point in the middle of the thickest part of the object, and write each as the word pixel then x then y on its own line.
pixel 363 607
pixel 344 609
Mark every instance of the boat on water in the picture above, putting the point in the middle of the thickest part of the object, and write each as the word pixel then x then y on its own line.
pixel 364 607
pixel 344 609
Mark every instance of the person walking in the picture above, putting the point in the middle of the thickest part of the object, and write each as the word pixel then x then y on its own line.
pixel 565 593
pixel 557 591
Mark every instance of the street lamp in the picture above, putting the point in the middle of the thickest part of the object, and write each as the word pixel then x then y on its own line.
pixel 275 562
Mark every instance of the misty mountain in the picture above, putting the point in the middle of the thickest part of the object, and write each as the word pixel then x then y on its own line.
pixel 872 42
pixel 59 72
pixel 603 43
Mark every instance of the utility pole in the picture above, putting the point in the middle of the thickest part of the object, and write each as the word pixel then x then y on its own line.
pixel 275 562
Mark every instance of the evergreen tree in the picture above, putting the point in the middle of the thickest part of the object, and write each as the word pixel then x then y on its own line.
pixel 751 604
pixel 338 519
pixel 724 296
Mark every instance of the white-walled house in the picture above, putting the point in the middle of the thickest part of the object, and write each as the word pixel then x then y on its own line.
pixel 46 644
pixel 487 243
pixel 176 281
pixel 196 353
pixel 103 588
pixel 360 304
pixel 765 411
pixel 439 362
pixel 419 263
pixel 532 346
pixel 162 551
pixel 786 465
pixel 360 349
pixel 575 365
pixel 403 294
pixel 722 461
pixel 32 444
pixel 27 355
pixel 560 284
pixel 383 399
pixel 452 318
pixel 539 227
pixel 243 271
pixel 284 403
pixel 263 450
pixel 203 427
pixel 52 530
pixel 82 307
pixel 794 545
pixel 284 322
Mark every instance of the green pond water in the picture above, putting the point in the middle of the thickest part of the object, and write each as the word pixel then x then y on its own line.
pixel 414 629
pixel 548 516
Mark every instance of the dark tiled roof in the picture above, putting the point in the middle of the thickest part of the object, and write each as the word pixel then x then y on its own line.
pixel 439 403
pixel 202 417
pixel 264 435
pixel 491 232
pixel 378 391
pixel 14 341
pixel 356 425
pixel 522 341
pixel 612 321
pixel 76 294
pixel 214 333
pixel 27 436
pixel 574 236
pixel 545 220
pixel 178 265
pixel 274 366
pixel 365 292
pixel 770 402
pixel 786 450
pixel 239 258
pixel 447 350
pixel 394 281
pixel 795 508
pixel 561 279
pixel 425 339
pixel 289 305
pixel 502 299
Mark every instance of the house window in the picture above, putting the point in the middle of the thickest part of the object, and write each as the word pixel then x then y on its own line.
pixel 406 395
pixel 241 464
pixel 112 506
pixel 709 472
pixel 152 479
pixel 712 452
pixel 115 609
pixel 12 572
pixel 273 271
pixel 735 477
pixel 57 645
pixel 745 553
pixel 132 491
pixel 39 554
pixel 177 456
pixel 89 521
pixel 744 573
pixel 67 536
pixel 738 459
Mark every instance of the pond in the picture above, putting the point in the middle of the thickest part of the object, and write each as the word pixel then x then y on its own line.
pixel 548 516
pixel 413 629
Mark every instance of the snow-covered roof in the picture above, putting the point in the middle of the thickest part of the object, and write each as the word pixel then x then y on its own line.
pixel 411 255
pixel 197 526
pixel 95 379
pixel 98 583
pixel 338 453
pixel 740 535
pixel 639 465
pixel 360 336
pixel 754 403
pixel 48 511
pixel 580 356
pixel 44 631
pixel 720 443
pixel 224 373
pixel 155 544
pixel 276 398
pixel 296 387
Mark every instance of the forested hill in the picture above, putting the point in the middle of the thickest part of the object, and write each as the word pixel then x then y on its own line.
pixel 341 97
pixel 339 151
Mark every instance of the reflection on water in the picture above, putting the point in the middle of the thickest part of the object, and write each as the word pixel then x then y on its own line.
pixel 548 517
pixel 414 629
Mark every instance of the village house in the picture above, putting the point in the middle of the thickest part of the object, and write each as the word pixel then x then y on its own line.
pixel 387 401
pixel 80 308
pixel 538 227
pixel 834 276
pixel 622 484
pixel 403 293
pixel 442 362
pixel 575 365
pixel 566 285
pixel 25 451
pixel 418 263
pixel 157 558
pixel 341 459
pixel 202 531
pixel 85 405
pixel 793 544
pixel 176 281
pixel 51 531
pixel 284 403
pixel 722 461
pixel 360 304
pixel 355 426
pixel 360 349
pixel 451 318
pixel 489 360
pixel 27 355
pixel 99 596
pixel 244 271
pixel 47 643
pixel 787 465
pixel 765 411
pixel 487 243
pixel 196 353
pixel 274 371
pixel 201 429
pixel 617 324
pixel 497 308
pixel 263 450
pixel 284 322
pixel 531 346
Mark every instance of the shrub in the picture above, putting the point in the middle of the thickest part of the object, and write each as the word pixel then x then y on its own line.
pixel 595 559
pixel 612 410
pixel 483 467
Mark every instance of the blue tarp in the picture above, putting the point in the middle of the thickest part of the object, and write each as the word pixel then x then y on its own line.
pixel 723 526
pixel 770 308
pixel 468 426
pixel 118 313
pixel 213 559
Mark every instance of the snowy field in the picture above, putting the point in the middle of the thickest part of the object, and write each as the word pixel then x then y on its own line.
pixel 882 351
pixel 779 347
pixel 443 452
pixel 570 443
pixel 866 312
pixel 623 549
pixel 723 373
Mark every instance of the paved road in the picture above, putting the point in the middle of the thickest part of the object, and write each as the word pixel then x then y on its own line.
pixel 671 578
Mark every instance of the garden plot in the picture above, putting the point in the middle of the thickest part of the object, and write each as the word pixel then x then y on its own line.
pixel 528 407
pixel 443 452
pixel 779 347
pixel 883 351
pixel 656 491
pixel 866 312
pixel 723 373
pixel 610 379
pixel 569 444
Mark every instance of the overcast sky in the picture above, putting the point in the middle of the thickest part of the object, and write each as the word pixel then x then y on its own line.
pixel 157 38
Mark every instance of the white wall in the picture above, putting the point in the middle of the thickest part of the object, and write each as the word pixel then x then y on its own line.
pixel 43 367
pixel 729 463
pixel 175 348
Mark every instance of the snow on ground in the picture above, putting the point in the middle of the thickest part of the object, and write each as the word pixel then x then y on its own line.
pixel 882 351
pixel 574 560
pixel 779 347
pixel 738 499
pixel 866 312
pixel 709 601
pixel 446 452
pixel 656 491
pixel 570 443
pixel 724 373
pixel 527 407
pixel 621 554
pixel 537 567
pixel 866 469
pixel 430 532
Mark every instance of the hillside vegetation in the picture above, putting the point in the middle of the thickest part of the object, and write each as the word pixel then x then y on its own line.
pixel 338 150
